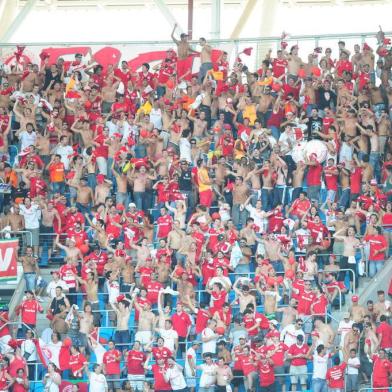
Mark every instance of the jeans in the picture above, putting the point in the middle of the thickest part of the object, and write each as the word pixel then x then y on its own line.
pixel 239 217
pixel 374 160
pixel 92 181
pixel 30 278
pixel 344 198
pixel 138 198
pixel 280 195
pixel 331 195
pixel 58 187
pixel 122 339
pixel 319 385
pixel 102 164
pixel 275 132
pixel 83 208
pixel 314 192
pixel 204 68
pixel 375 267
pixel 266 199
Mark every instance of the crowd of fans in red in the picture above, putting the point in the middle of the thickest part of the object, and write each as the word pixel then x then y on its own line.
pixel 207 224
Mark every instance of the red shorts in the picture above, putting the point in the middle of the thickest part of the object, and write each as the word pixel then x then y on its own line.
pixel 206 198
pixel 183 66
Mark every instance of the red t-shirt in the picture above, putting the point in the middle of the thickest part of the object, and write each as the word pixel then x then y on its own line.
pixel 165 224
pixel 278 357
pixel 335 376
pixel 299 207
pixel 29 309
pixel 381 370
pixel 279 67
pixel 202 318
pixel 76 363
pixel 376 242
pixel 159 380
pixel 100 260
pixel 247 364
pixel 305 300
pixel 266 374
pixel 161 352
pixel 385 331
pixel 181 323
pixel 356 180
pixel 331 180
pixel 153 291
pixel 320 305
pixel 297 350
pixel 103 149
pixel 313 177
pixel 111 362
pixel 318 232
pixel 135 362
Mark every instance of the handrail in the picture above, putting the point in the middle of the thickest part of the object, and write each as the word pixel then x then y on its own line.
pixel 212 41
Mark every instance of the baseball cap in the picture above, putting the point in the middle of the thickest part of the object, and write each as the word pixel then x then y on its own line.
pixel 373 182
pixel 355 298
pixel 182 35
pixel 346 315
pixel 130 205
pixel 29 291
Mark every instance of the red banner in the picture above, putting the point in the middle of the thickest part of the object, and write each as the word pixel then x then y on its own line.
pixel 8 259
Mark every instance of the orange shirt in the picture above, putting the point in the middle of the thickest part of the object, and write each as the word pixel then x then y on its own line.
pixel 12 179
pixel 56 172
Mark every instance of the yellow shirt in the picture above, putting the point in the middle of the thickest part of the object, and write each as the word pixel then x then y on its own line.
pixel 250 112
pixel 202 179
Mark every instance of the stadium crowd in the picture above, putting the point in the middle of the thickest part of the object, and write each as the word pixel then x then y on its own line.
pixel 208 227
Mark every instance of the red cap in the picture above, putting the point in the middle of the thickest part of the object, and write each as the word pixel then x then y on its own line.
pixel 120 207
pixel 100 178
pixel 355 298
pixel 120 298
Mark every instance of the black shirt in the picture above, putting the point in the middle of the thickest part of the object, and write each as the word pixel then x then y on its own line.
pixel 314 124
pixel 185 180
pixel 326 98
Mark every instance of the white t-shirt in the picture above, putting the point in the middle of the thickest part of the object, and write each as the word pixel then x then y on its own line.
pixel 31 216
pixel 208 375
pixel 51 289
pixel 210 346
pixel 258 216
pixel 27 139
pixel 320 366
pixel 344 328
pixel 289 334
pixel 98 382
pixel 65 152
pixel 190 353
pixel 176 378
pixel 185 149
pixel 353 362
pixel 169 336
pixel 156 118
pixel 113 291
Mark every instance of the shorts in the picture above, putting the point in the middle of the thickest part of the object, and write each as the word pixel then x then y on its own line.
pixel 277 371
pixel 351 382
pixel 144 337
pixel 205 198
pixel 298 373
pixel 113 381
pixel 238 378
pixel 34 238
pixel 191 383
pixel 136 381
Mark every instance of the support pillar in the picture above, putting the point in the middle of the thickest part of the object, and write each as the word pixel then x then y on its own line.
pixel 216 7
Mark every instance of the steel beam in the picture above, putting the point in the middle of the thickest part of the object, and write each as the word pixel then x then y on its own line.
pixel 250 5
pixel 190 19
pixel 11 20
pixel 216 7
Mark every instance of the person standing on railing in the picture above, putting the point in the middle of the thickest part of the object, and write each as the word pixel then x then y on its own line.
pixel 31 269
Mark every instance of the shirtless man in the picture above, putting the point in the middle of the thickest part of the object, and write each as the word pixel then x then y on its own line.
pixel 102 189
pixel 175 237
pixel 244 297
pixel 382 307
pixel 50 217
pixel 350 246
pixel 83 129
pixel 224 375
pixel 265 104
pixel 270 295
pixel 289 313
pixel 123 312
pixel 298 177
pixel 186 290
pixel 84 196
pixel 351 341
pixel 325 332
pixel 146 324
pixel 294 62
pixel 109 91
pixel 205 59
pixel 31 269
pixel 14 219
pixel 199 125
pixel 358 312
pixel 73 254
